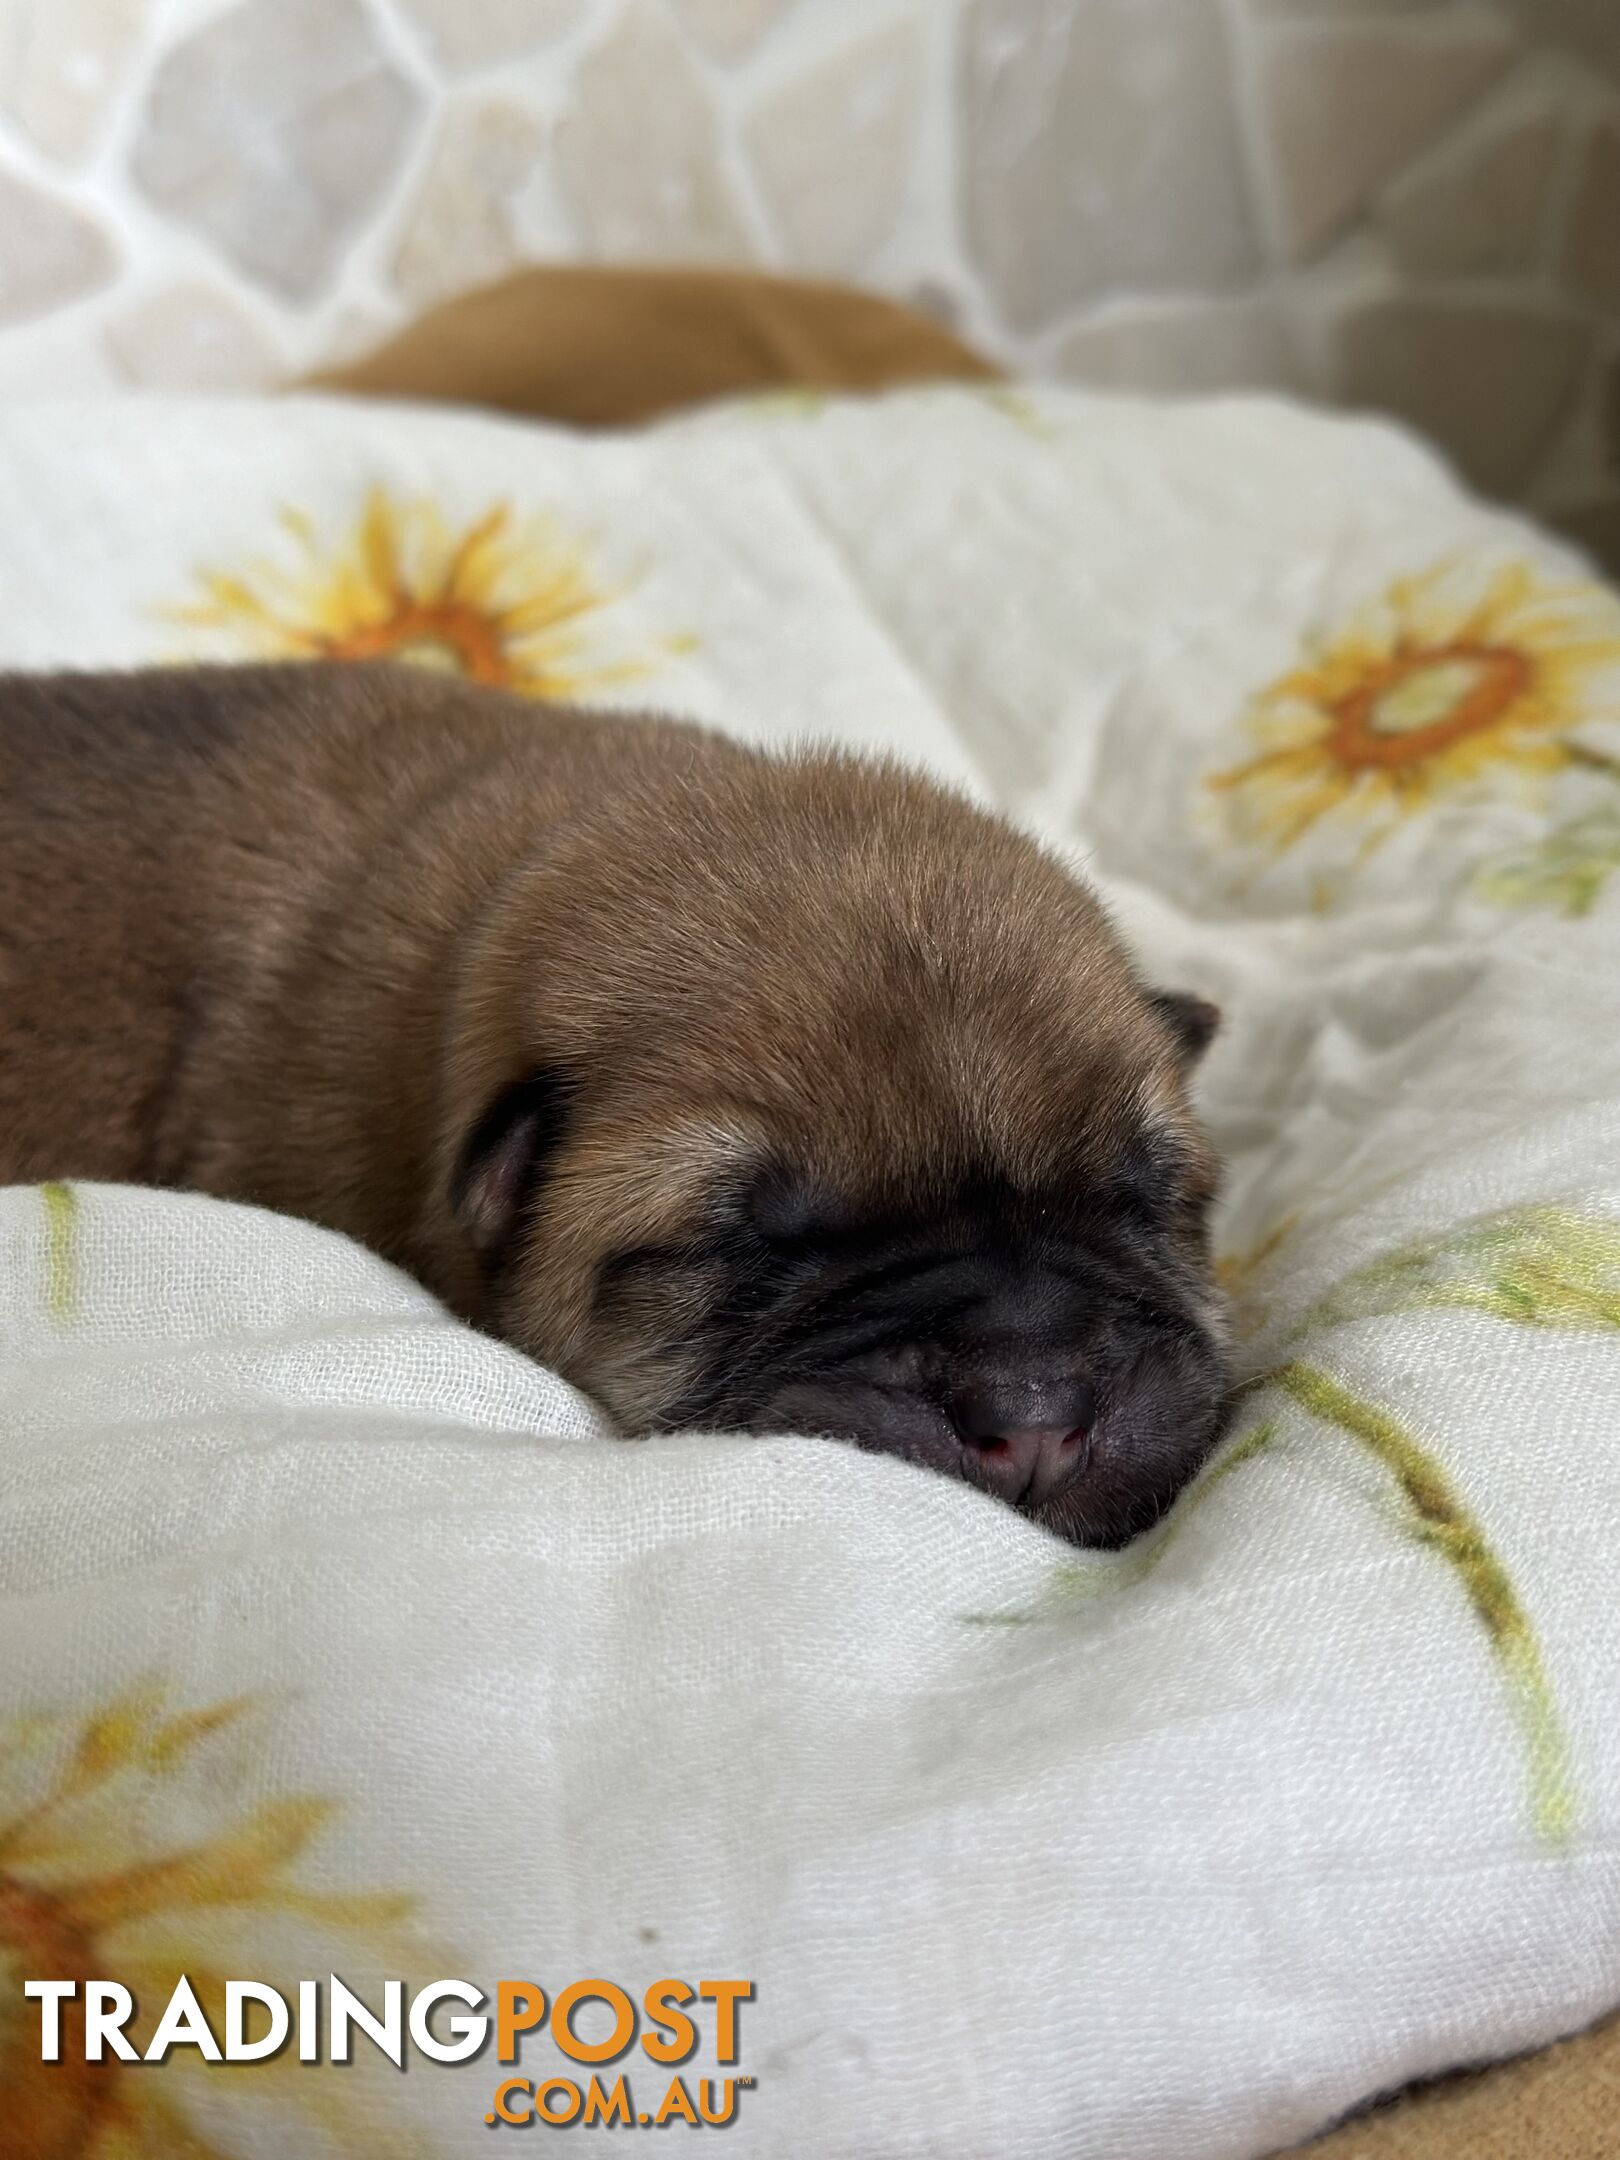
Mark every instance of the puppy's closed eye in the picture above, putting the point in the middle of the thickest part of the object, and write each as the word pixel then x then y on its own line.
pixel 787 1208
pixel 639 1263
pixel 1145 1183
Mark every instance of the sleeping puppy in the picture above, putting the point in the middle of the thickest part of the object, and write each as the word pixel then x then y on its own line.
pixel 750 1092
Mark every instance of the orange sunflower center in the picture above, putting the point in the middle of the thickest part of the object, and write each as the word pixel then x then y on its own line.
pixel 1421 704
pixel 52 2110
pixel 445 635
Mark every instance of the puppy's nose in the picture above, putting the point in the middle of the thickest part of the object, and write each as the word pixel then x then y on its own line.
pixel 1027 1463
pixel 1032 1463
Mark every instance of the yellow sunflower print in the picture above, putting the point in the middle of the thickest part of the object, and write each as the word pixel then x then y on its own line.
pixel 96 1883
pixel 1453 676
pixel 507 602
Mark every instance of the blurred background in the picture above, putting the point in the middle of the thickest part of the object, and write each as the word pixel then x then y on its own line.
pixel 1409 205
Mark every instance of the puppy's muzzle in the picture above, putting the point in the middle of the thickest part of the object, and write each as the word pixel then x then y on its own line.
pixel 1026 1444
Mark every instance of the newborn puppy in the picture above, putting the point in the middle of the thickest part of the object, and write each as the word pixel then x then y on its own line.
pixel 750 1092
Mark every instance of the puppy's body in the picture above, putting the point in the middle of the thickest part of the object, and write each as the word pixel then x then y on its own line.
pixel 746 1091
pixel 234 912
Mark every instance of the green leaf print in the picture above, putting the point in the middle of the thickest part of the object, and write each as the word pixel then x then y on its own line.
pixel 61 1249
pixel 1543 1267
pixel 1442 1521
pixel 1548 1266
pixel 1566 872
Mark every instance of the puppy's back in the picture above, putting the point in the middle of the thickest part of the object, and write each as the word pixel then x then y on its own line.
pixel 100 785
pixel 212 880
pixel 168 842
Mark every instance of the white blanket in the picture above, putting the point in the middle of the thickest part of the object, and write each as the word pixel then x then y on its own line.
pixel 334 1638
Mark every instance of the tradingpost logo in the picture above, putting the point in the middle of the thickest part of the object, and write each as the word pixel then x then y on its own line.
pixel 649 2067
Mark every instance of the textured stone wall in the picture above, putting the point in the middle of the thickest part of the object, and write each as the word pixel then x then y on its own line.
pixel 1410 204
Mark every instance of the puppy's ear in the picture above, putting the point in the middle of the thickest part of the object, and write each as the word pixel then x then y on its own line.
pixel 1192 1021
pixel 501 1164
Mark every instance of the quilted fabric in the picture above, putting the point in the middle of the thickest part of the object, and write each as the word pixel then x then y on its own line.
pixel 366 1631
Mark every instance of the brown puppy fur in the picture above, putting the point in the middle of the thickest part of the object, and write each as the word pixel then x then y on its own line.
pixel 750 1092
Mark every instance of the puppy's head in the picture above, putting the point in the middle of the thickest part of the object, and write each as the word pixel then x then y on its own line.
pixel 805 1097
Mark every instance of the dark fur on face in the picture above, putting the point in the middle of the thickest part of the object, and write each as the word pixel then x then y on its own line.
pixel 858 1125
pixel 750 1092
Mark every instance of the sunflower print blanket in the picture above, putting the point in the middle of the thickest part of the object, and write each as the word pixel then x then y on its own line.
pixel 339 1641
